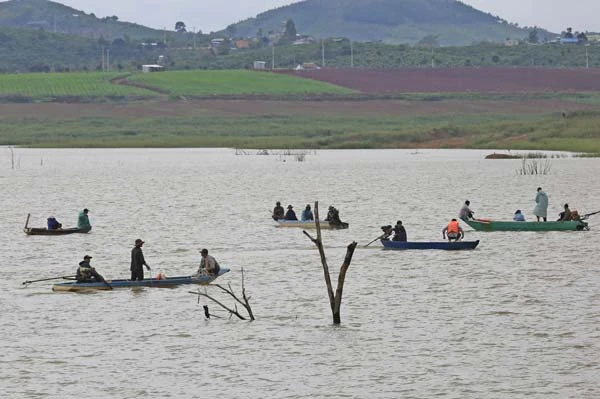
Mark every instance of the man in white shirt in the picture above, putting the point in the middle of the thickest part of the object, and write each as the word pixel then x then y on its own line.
pixel 208 264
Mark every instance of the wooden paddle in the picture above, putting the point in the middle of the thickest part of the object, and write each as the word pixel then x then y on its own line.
pixel 378 238
pixel 49 278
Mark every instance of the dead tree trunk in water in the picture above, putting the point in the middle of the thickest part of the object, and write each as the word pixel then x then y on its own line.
pixel 335 299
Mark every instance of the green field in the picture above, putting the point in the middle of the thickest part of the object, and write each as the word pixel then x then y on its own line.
pixel 42 86
pixel 233 82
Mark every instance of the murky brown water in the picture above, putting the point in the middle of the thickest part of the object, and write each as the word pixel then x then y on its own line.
pixel 518 317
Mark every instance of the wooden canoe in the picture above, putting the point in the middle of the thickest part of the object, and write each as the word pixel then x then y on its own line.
pixel 445 245
pixel 493 225
pixel 168 282
pixel 311 224
pixel 42 231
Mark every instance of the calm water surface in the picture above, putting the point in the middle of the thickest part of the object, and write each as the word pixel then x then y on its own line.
pixel 517 318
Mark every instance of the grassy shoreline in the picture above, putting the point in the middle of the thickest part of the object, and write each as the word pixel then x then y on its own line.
pixel 245 109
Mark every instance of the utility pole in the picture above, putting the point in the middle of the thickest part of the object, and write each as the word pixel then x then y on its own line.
pixel 351 55
pixel 432 60
pixel 103 66
pixel 194 30
pixel 273 57
pixel 322 53
pixel 107 60
pixel 587 57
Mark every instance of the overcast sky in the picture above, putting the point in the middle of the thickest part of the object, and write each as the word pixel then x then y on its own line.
pixel 213 15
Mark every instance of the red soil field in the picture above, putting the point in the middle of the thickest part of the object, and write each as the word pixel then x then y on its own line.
pixel 458 80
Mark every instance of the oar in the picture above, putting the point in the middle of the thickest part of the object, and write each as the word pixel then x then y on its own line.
pixel 46 279
pixel 589 214
pixel 108 285
pixel 378 238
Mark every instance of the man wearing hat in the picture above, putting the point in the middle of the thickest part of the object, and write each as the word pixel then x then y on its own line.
pixel 290 214
pixel 86 273
pixel 137 261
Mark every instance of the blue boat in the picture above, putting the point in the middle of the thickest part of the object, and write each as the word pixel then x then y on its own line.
pixel 445 245
pixel 166 282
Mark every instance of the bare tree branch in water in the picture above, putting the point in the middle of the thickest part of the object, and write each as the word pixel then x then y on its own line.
pixel 335 299
pixel 245 301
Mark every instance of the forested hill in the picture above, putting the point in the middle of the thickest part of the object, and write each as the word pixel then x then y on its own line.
pixel 391 21
pixel 55 17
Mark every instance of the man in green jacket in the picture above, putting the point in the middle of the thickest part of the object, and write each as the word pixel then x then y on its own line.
pixel 83 222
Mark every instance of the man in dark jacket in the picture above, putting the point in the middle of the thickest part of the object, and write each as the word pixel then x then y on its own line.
pixel 138 261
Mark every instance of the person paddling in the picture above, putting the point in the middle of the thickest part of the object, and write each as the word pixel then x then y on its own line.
pixel 454 231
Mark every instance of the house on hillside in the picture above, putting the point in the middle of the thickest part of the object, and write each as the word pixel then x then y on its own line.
pixel 242 43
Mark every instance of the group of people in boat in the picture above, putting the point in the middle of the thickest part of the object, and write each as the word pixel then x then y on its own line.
pixel 83 221
pixel 333 215
pixel 540 211
pixel 88 274
pixel 398 232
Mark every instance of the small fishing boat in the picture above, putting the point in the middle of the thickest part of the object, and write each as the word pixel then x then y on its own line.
pixel 493 225
pixel 311 224
pixel 165 282
pixel 42 231
pixel 445 245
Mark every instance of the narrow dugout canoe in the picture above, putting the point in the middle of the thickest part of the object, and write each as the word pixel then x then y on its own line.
pixel 445 245
pixel 492 225
pixel 311 224
pixel 42 231
pixel 169 282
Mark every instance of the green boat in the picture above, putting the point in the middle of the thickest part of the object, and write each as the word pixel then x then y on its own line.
pixel 492 225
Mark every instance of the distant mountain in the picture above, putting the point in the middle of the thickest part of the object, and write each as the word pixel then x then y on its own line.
pixel 390 21
pixel 58 18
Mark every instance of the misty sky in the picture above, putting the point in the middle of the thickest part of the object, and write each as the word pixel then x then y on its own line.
pixel 213 15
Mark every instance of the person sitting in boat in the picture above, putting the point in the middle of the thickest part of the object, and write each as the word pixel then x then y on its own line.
pixel 290 214
pixel 208 265
pixel 53 224
pixel 465 212
pixel 278 212
pixel 307 214
pixel 453 231
pixel 333 216
pixel 86 273
pixel 387 232
pixel 83 222
pixel 565 215
pixel 518 216
pixel 399 232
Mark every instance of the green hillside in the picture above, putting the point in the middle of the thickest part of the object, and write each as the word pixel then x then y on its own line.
pixel 58 18
pixel 391 21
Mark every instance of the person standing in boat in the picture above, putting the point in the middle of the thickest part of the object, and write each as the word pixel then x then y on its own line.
pixel 307 214
pixel 86 273
pixel 83 221
pixel 208 264
pixel 399 232
pixel 518 216
pixel 53 224
pixel 137 261
pixel 541 207
pixel 290 214
pixel 278 211
pixel 453 231
pixel 465 212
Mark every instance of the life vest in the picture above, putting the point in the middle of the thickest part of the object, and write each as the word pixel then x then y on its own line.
pixel 453 227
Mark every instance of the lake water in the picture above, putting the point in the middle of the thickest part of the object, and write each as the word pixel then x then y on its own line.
pixel 519 317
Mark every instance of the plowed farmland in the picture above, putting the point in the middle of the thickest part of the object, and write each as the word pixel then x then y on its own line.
pixel 459 80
